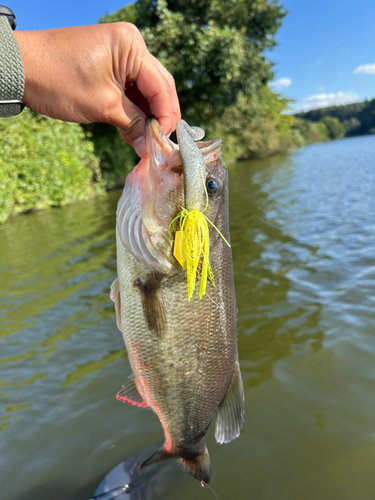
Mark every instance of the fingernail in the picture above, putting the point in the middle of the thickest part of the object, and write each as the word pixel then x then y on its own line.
pixel 140 146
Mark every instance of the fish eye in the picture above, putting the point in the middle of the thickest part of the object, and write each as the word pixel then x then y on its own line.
pixel 213 186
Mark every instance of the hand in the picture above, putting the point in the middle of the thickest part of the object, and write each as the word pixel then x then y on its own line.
pixel 101 73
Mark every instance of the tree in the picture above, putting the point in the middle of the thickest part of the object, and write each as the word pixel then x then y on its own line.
pixel 213 48
pixel 367 118
pixel 334 128
pixel 357 118
pixel 257 126
pixel 215 51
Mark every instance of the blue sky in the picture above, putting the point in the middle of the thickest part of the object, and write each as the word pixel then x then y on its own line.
pixel 321 45
pixel 326 51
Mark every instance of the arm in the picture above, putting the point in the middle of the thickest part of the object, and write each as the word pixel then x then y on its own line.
pixel 101 73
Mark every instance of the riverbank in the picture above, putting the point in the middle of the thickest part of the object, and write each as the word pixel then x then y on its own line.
pixel 47 163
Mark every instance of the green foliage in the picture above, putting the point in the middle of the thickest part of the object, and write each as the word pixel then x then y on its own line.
pixel 128 14
pixel 257 126
pixel 214 49
pixel 44 162
pixel 117 158
pixel 310 132
pixel 342 113
pixel 258 20
pixel 367 118
pixel 319 132
pixel 357 118
pixel 334 128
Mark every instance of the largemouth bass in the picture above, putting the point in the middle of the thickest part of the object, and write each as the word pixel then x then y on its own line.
pixel 183 353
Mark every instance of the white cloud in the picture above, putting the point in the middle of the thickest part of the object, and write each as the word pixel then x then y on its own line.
pixel 366 69
pixel 281 83
pixel 323 100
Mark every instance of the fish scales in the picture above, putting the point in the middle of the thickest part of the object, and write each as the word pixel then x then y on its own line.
pixel 183 354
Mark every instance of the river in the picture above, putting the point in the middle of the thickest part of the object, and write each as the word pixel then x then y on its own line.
pixel 303 237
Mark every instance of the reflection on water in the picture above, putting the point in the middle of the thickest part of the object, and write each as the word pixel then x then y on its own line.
pixel 303 237
pixel 92 366
pixel 269 322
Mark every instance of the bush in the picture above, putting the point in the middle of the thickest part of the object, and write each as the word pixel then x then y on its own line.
pixel 334 128
pixel 44 162
pixel 256 126
pixel 117 158
pixel 311 132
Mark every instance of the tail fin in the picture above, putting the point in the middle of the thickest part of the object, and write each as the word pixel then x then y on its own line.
pixel 198 467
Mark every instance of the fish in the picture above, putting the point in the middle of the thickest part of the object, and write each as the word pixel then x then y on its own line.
pixel 183 353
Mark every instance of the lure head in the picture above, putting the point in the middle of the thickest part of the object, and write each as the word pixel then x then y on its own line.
pixel 193 242
pixel 154 195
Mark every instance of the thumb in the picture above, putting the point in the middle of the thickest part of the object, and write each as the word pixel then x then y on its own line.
pixel 131 123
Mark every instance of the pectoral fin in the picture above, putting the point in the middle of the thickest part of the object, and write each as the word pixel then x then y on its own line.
pixel 153 306
pixel 116 298
pixel 231 412
pixel 129 394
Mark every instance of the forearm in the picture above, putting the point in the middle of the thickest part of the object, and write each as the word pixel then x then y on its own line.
pixel 58 80
pixel 100 73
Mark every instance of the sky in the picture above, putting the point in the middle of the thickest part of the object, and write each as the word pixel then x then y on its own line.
pixel 325 53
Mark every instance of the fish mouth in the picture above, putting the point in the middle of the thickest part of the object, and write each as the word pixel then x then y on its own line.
pixel 141 225
pixel 153 195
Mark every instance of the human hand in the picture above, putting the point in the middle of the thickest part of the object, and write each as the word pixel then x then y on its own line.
pixel 80 74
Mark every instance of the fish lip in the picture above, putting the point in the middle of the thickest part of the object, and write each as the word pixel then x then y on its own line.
pixel 152 129
pixel 156 140
pixel 153 125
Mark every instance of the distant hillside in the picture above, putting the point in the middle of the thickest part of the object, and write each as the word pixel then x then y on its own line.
pixel 357 118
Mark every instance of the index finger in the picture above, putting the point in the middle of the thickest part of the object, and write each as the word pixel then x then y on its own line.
pixel 173 91
pixel 160 91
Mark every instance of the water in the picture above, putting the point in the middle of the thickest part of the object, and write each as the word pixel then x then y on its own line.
pixel 303 234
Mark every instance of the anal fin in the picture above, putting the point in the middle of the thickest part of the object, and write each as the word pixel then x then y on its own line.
pixel 231 412
pixel 129 394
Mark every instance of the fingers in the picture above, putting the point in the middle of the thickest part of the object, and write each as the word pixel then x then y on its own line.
pixel 134 95
pixel 131 123
pixel 154 92
pixel 156 84
pixel 152 88
pixel 175 105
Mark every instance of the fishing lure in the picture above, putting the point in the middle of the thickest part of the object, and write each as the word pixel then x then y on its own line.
pixel 192 246
pixel 192 237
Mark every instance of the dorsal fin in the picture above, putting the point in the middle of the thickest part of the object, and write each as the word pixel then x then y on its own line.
pixel 129 394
